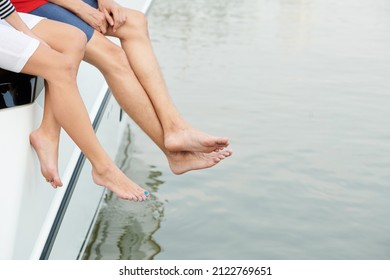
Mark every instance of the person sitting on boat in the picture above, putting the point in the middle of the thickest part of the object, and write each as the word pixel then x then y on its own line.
pixel 53 50
pixel 134 77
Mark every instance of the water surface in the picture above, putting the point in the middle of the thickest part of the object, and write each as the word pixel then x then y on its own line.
pixel 301 87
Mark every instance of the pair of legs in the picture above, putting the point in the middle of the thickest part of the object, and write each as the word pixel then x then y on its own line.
pixel 58 64
pixel 134 76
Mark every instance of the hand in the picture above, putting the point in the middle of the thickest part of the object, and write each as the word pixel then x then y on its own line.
pixel 114 13
pixel 94 18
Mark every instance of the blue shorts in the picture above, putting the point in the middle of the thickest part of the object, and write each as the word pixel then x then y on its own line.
pixel 55 12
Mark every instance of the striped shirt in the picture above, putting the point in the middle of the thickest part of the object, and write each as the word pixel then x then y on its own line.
pixel 6 8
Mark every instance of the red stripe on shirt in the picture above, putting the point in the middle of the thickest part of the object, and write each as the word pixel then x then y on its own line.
pixel 26 6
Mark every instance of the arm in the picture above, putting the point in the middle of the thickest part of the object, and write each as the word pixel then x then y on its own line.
pixel 6 8
pixel 16 22
pixel 90 15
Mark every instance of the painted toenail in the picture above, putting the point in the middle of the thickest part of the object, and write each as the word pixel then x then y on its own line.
pixel 146 192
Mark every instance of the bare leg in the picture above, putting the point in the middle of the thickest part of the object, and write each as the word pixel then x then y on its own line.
pixel 45 141
pixel 111 60
pixel 178 135
pixel 60 74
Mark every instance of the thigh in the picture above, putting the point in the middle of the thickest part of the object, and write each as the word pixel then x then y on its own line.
pixel 16 48
pixel 58 13
pixel 22 53
pixel 60 36
pixel 52 65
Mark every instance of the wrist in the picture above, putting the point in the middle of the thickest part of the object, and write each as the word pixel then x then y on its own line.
pixel 80 8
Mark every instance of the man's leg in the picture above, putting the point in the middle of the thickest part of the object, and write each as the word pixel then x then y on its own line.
pixel 178 134
pixel 112 61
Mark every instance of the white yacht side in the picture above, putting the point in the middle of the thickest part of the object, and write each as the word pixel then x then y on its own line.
pixel 38 222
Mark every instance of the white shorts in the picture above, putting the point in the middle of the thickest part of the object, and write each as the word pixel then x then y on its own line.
pixel 16 48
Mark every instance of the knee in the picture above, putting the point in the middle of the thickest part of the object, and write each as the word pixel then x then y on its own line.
pixel 77 41
pixel 136 24
pixel 116 59
pixel 138 20
pixel 61 72
pixel 66 69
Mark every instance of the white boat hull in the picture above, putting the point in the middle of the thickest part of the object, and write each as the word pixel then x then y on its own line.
pixel 39 222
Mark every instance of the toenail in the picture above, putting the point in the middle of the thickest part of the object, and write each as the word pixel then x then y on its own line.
pixel 146 192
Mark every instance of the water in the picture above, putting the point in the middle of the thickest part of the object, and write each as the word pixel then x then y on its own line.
pixel 301 87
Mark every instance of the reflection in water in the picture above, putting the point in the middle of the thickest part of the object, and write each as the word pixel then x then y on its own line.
pixel 301 87
pixel 128 225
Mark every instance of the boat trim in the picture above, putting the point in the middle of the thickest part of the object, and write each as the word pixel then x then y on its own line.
pixel 71 186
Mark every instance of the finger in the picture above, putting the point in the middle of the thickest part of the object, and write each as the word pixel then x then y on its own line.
pixel 103 27
pixel 96 26
pixel 118 24
pixel 118 16
pixel 109 18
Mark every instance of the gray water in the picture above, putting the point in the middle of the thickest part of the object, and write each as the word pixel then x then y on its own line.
pixel 301 87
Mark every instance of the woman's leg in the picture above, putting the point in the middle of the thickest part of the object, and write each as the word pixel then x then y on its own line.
pixel 69 111
pixel 45 139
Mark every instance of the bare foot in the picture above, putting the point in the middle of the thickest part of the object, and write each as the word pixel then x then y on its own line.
pixel 114 179
pixel 192 140
pixel 47 151
pixel 181 162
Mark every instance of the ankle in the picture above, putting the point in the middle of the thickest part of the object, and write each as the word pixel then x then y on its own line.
pixel 174 125
pixel 103 169
pixel 176 129
pixel 50 134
